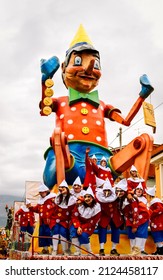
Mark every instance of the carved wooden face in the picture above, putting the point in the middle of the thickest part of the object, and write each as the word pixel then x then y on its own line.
pixel 82 72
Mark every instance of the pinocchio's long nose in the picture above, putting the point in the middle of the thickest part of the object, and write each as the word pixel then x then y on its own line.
pixel 90 67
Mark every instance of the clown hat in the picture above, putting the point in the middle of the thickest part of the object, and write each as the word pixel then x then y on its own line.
pixel 103 159
pixel 107 185
pixel 139 186
pixel 93 157
pixel 63 184
pixel 28 201
pixel 151 191
pixel 89 191
pixel 99 182
pixel 80 42
pixel 133 168
pixel 81 36
pixel 77 181
pixel 122 184
pixel 43 188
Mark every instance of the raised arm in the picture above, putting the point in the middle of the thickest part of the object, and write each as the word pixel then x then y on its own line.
pixel 146 90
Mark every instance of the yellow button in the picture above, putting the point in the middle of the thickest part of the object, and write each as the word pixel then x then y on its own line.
pixel 47 110
pixel 84 111
pixel 49 92
pixel 85 129
pixel 49 83
pixel 59 214
pixel 47 101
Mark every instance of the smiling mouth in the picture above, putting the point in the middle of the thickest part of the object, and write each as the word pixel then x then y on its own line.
pixel 85 77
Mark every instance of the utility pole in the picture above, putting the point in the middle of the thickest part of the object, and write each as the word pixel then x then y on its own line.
pixel 120 138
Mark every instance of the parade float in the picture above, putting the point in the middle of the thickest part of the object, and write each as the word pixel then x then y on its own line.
pixel 80 123
pixel 80 117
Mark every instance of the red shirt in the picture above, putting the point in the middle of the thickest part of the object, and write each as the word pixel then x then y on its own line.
pixel 90 178
pixel 156 214
pixel 86 217
pixel 45 207
pixel 82 121
pixel 26 217
pixel 103 173
pixel 132 184
pixel 62 213
pixel 135 213
pixel 109 210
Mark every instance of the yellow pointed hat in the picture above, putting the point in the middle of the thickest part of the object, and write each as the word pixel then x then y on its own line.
pixel 80 36
pixel 80 42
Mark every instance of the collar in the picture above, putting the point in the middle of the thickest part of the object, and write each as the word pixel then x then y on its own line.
pixel 76 96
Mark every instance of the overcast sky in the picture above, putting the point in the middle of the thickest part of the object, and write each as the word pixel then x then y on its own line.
pixel 129 37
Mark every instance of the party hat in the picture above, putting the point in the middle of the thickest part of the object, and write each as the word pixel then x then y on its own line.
pixel 80 36
pixel 80 42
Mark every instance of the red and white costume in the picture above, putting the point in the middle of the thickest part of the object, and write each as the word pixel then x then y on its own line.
pixel 103 173
pixel 62 213
pixel 135 213
pixel 109 209
pixel 86 217
pixel 156 214
pixel 90 177
pixel 44 208
pixel 25 216
pixel 132 183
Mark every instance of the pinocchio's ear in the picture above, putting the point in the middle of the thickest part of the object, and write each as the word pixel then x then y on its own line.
pixel 63 66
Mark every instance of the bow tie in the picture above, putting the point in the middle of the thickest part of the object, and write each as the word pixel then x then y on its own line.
pixel 76 96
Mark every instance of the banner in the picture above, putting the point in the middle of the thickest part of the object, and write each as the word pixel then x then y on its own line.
pixel 149 117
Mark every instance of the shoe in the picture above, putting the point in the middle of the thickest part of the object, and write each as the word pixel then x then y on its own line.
pixel 144 253
pixel 114 252
pixel 101 252
pixel 157 251
pixel 54 253
pixel 44 251
pixel 66 253
pixel 135 251
pixel 161 250
pixel 77 253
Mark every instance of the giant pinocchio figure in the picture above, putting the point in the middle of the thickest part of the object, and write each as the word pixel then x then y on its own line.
pixel 80 117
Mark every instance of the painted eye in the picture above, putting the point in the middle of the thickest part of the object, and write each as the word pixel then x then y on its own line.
pixel 77 60
pixel 97 64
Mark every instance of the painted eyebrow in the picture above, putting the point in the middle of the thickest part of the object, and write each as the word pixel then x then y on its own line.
pixel 93 54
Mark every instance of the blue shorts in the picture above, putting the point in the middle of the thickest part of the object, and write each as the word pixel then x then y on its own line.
pixel 28 229
pixel 59 229
pixel 83 238
pixel 142 231
pixel 44 230
pixel 157 236
pixel 115 233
